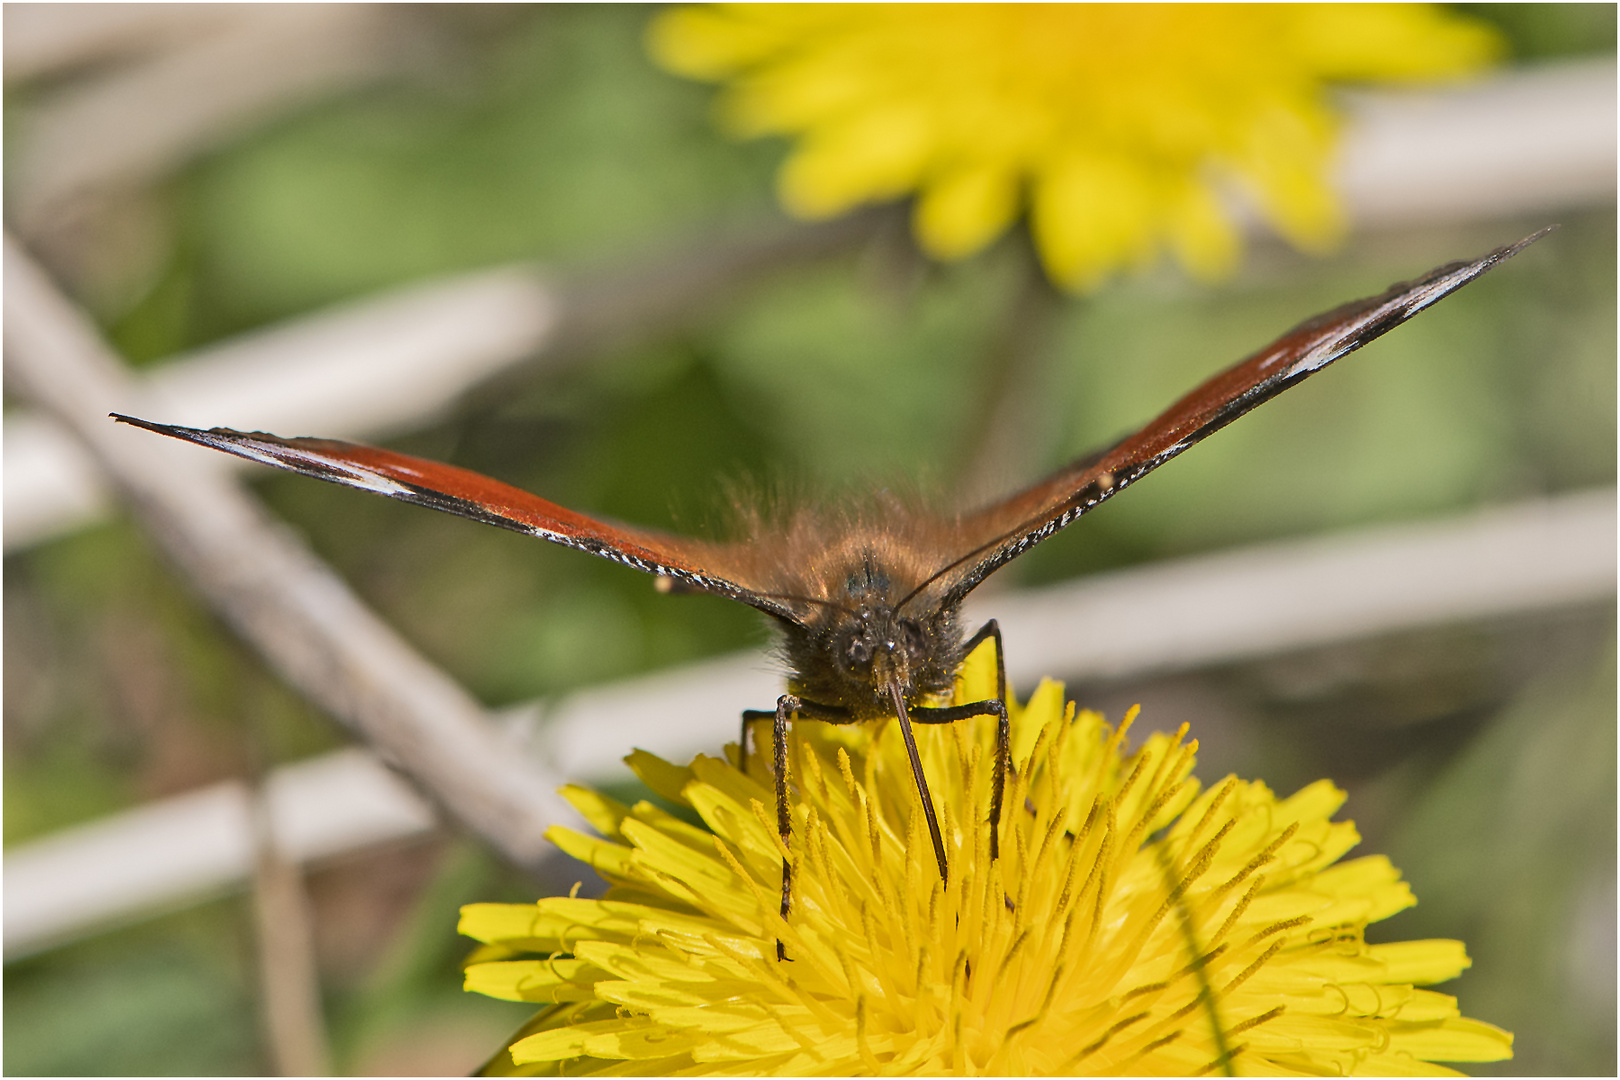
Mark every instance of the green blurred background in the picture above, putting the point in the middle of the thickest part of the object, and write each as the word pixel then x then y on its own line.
pixel 1482 759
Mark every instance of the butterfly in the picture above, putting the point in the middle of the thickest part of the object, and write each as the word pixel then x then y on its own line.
pixel 867 596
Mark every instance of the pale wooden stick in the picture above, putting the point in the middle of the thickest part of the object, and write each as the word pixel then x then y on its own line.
pixel 282 600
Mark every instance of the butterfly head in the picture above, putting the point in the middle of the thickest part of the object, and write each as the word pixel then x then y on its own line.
pixel 857 651
pixel 878 647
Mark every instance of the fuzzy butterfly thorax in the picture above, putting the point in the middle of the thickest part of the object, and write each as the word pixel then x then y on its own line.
pixel 855 580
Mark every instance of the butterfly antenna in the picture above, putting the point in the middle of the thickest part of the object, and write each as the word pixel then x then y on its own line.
pixel 922 781
pixel 948 567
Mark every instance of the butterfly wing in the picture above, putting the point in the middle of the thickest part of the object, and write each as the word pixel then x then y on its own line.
pixel 1005 530
pixel 689 563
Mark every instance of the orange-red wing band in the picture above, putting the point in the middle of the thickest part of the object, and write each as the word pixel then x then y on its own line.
pixel 470 495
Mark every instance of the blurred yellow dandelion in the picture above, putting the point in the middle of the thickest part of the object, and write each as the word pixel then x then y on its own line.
pixel 1133 924
pixel 1121 127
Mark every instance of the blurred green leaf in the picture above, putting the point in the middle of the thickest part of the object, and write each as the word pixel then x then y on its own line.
pixel 173 998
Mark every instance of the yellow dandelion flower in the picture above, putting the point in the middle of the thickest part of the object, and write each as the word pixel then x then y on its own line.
pixel 1122 128
pixel 1133 923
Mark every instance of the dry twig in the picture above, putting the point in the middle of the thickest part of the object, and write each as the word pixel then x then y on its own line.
pixel 283 601
pixel 289 982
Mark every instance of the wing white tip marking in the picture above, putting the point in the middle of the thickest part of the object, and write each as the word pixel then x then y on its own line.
pixel 354 475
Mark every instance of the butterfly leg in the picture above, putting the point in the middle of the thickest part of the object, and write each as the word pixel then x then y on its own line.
pixel 991 629
pixel 786 706
pixel 1004 765
pixel 997 707
pixel 988 707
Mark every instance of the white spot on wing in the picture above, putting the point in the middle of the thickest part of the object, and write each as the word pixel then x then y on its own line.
pixel 353 475
pixel 370 481
pixel 1316 358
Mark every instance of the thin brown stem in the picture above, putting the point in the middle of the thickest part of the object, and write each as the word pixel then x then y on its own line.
pixel 289 979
